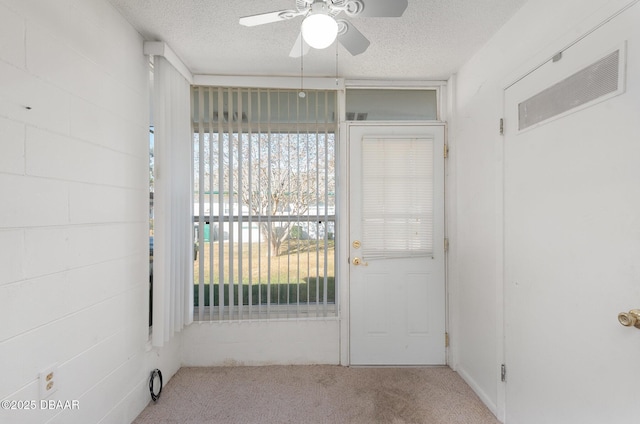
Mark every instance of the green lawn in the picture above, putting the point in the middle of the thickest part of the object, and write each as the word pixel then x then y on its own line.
pixel 291 278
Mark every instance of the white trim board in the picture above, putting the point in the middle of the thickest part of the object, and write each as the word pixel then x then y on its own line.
pixel 160 48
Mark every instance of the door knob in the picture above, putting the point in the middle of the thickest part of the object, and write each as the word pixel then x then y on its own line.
pixel 358 261
pixel 631 318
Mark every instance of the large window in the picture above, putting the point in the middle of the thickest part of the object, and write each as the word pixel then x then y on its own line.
pixel 264 203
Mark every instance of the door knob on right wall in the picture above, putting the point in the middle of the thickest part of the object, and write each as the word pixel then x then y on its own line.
pixel 631 318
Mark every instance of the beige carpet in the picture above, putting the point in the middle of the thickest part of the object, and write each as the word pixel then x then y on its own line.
pixel 316 394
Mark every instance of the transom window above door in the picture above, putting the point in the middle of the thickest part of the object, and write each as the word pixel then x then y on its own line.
pixel 387 104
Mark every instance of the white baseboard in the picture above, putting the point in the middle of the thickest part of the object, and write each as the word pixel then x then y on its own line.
pixel 478 391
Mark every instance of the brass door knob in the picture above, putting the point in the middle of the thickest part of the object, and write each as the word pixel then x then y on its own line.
pixel 358 261
pixel 631 318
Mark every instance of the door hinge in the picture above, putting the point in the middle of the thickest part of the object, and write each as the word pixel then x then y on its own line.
pixel 503 373
pixel 501 126
pixel 446 244
pixel 446 339
pixel 445 152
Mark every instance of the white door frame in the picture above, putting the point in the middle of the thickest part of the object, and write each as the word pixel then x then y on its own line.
pixel 342 246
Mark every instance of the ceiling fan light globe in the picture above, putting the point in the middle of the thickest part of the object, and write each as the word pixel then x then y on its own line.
pixel 319 30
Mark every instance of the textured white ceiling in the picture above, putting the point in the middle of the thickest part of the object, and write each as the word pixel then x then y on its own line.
pixel 429 42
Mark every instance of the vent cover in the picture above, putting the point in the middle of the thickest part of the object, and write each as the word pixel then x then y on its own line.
pixel 357 116
pixel 585 86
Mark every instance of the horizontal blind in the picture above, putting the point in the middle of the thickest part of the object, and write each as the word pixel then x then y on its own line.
pixel 264 176
pixel 397 193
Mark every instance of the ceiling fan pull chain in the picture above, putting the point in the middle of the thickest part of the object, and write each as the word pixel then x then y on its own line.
pixel 302 94
pixel 336 64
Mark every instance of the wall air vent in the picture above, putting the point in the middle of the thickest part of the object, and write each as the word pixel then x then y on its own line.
pixel 356 116
pixel 583 88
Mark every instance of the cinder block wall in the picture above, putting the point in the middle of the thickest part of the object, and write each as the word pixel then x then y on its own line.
pixel 73 210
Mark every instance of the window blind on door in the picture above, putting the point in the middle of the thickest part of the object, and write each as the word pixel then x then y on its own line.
pixel 397 173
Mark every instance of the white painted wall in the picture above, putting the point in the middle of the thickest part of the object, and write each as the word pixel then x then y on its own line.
pixel 275 342
pixel 534 34
pixel 73 211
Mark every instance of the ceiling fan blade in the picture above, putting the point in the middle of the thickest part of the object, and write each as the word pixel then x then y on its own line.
pixel 352 39
pixel 299 47
pixel 383 8
pixel 267 18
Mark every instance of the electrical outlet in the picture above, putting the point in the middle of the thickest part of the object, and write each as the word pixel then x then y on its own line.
pixel 49 381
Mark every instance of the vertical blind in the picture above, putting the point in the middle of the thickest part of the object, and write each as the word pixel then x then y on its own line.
pixel 172 204
pixel 264 203
pixel 397 193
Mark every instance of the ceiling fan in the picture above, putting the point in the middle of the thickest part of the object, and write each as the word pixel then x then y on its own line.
pixel 320 26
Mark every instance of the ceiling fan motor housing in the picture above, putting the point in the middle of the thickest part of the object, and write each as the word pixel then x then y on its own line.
pixel 319 7
pixel 333 7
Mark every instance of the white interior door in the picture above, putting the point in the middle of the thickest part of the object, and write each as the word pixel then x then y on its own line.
pixel 572 233
pixel 396 207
